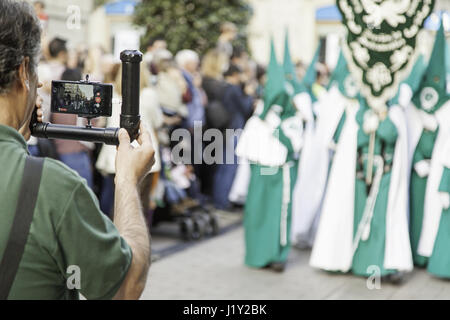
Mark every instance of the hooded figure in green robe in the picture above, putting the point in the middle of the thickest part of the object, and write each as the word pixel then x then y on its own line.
pixel 428 122
pixel 271 141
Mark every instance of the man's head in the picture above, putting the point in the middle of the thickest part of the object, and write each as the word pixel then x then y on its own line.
pixel 187 60
pixel 233 74
pixel 321 74
pixel 20 36
pixel 39 6
pixel 58 50
pixel 228 31
pixel 239 57
pixel 156 43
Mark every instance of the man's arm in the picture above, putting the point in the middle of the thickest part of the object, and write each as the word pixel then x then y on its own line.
pixel 131 166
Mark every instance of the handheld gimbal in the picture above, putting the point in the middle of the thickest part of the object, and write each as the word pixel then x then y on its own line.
pixel 129 117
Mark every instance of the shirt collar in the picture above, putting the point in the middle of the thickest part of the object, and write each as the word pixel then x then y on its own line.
pixel 12 135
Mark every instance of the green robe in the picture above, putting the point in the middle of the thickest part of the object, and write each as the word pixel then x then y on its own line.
pixel 262 215
pixel 371 251
pixel 418 185
pixel 439 262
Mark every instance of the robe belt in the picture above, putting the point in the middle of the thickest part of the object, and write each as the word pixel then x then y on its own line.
pixel 363 230
pixel 285 200
pixel 386 168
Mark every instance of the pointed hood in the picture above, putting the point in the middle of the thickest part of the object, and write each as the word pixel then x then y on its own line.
pixel 289 68
pixel 414 78
pixel 311 72
pixel 339 70
pixel 432 91
pixel 341 77
pixel 275 81
pixel 412 81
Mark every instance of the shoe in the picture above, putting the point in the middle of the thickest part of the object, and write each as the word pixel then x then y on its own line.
pixel 278 266
pixel 396 278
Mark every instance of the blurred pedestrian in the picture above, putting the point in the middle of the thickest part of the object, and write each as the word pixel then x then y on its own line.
pixel 188 61
pixel 153 45
pixel 214 64
pixel 39 8
pixel 239 106
pixel 57 49
pixel 228 33
pixel 170 86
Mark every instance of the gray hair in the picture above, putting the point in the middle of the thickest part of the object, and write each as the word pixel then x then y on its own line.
pixel 20 37
pixel 185 56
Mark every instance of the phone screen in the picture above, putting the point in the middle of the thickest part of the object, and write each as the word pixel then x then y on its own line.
pixel 83 99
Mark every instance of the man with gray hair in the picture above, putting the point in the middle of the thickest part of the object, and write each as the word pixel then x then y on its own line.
pixel 68 236
pixel 188 61
pixel 195 100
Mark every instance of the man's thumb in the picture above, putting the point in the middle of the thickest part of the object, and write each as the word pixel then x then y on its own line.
pixel 124 138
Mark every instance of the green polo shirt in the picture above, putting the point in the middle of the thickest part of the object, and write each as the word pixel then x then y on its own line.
pixel 69 235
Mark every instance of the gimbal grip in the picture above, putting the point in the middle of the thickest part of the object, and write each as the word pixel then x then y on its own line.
pixel 129 117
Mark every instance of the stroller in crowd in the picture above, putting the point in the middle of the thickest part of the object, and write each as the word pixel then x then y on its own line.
pixel 179 200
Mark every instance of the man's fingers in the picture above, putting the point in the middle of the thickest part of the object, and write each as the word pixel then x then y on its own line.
pixel 124 138
pixel 40 115
pixel 39 102
pixel 144 136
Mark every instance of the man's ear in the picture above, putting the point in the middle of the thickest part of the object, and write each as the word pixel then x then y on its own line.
pixel 24 79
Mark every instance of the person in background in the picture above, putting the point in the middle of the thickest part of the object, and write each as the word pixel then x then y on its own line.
pixel 319 86
pixel 155 44
pixel 188 61
pixel 239 105
pixel 39 8
pixel 52 69
pixel 93 63
pixel 153 117
pixel 261 79
pixel 196 100
pixel 213 65
pixel 300 69
pixel 228 33
pixel 240 58
pixel 170 87
pixel 58 57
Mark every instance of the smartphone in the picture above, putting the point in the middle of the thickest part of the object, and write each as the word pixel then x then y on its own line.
pixel 85 99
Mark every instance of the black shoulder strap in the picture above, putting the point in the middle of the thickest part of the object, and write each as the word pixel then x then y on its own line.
pixel 21 225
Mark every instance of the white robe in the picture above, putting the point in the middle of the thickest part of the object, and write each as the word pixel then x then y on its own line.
pixel 314 165
pixel 333 248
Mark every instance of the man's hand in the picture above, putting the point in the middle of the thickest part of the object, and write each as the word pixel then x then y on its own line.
pixel 25 130
pixel 132 164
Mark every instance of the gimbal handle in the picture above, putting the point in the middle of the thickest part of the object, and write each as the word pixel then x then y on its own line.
pixel 129 117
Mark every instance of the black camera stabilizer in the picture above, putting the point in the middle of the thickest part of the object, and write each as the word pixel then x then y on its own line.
pixel 129 117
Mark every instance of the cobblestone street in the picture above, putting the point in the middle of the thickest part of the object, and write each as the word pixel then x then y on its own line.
pixel 214 269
